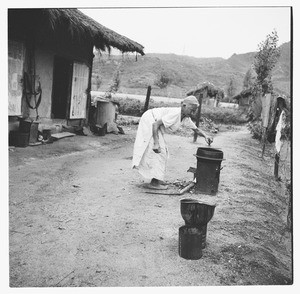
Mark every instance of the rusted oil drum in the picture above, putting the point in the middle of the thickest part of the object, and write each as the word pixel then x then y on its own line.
pixel 190 242
pixel 208 170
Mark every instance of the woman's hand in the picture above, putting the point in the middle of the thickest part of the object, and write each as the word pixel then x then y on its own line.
pixel 208 140
pixel 156 148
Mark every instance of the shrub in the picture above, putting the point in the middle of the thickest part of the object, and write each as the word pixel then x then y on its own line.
pixel 135 107
pixel 163 80
pixel 130 106
pixel 224 115
pixel 128 121
pixel 255 129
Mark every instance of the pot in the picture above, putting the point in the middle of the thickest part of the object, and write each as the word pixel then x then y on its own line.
pixel 195 212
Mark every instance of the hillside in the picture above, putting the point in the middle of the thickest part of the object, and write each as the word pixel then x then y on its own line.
pixel 182 72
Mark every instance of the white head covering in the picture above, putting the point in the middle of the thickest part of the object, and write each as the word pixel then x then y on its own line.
pixel 190 100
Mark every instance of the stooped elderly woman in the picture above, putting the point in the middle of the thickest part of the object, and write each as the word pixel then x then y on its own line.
pixel 150 152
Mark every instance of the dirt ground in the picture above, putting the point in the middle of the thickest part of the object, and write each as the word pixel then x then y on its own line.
pixel 78 216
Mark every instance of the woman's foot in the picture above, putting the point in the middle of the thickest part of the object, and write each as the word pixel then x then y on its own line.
pixel 157 185
pixel 163 183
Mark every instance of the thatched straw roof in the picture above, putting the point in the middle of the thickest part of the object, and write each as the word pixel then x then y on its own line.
pixel 212 90
pixel 75 24
pixel 243 94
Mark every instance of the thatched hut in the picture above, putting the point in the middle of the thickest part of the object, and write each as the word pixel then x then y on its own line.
pixel 243 98
pixel 208 92
pixel 50 57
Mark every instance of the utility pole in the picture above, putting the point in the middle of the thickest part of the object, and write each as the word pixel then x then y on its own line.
pixel 147 99
pixel 199 113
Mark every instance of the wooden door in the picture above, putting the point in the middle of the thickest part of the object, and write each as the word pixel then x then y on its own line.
pixel 16 55
pixel 78 92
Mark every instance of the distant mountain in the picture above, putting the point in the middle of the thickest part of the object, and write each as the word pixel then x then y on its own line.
pixel 183 73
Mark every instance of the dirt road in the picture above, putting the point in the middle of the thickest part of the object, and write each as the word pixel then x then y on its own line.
pixel 78 217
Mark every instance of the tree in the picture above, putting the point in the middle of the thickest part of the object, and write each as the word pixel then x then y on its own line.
pixel 231 89
pixel 248 81
pixel 98 82
pixel 265 60
pixel 116 80
pixel 163 79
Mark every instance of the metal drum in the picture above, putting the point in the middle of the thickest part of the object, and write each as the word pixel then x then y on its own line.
pixel 208 170
pixel 192 236
pixel 190 242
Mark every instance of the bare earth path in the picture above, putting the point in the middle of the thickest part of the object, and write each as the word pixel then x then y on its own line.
pixel 82 219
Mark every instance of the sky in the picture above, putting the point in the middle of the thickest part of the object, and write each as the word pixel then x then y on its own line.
pixel 197 31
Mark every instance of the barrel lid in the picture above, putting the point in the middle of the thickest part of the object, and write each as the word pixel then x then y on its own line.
pixel 202 200
pixel 209 158
pixel 209 152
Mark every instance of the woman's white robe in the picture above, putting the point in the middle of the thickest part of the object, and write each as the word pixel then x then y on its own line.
pixel 150 164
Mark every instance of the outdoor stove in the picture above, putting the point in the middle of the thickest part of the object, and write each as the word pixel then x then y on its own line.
pixel 197 213
pixel 208 170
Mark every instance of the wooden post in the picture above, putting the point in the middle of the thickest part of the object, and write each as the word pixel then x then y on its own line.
pixel 277 157
pixel 147 99
pixel 198 117
pixel 87 121
pixel 265 114
pixel 290 213
pixel 263 140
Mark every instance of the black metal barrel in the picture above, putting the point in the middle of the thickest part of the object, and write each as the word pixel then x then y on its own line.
pixel 208 170
pixel 196 214
pixel 190 242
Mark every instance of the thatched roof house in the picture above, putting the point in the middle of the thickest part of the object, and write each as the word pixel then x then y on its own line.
pixel 208 92
pixel 243 94
pixel 50 59
pixel 60 23
pixel 210 89
pixel 244 97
